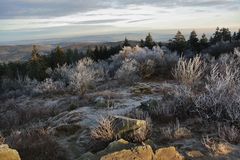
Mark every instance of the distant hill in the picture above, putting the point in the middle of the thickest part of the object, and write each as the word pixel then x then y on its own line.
pixel 23 52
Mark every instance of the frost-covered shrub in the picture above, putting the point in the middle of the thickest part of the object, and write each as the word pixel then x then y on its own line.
pixel 148 62
pixel 221 99
pixel 128 72
pixel 189 72
pixel 102 70
pixel 177 103
pixel 50 86
pixel 15 88
pixel 82 76
pixel 61 73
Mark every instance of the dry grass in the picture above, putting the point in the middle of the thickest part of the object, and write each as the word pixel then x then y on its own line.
pixel 228 133
pixel 144 133
pixel 104 131
pixel 210 144
pixel 2 139
pixel 189 72
pixel 36 144
pixel 175 131
pixel 216 148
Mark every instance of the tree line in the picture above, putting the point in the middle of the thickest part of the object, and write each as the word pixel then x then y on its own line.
pixel 36 66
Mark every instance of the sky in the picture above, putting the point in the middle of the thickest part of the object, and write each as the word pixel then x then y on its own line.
pixel 46 19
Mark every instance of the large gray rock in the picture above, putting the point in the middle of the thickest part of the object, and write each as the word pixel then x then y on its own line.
pixel 124 126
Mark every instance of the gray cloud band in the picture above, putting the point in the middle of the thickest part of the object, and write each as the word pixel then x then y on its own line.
pixel 10 9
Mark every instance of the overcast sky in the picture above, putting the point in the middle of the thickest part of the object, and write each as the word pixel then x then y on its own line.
pixel 42 19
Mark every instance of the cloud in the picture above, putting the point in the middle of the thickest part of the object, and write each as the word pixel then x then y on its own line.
pixel 54 8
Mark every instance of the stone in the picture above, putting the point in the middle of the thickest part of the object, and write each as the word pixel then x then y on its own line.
pixel 136 153
pixel 195 154
pixel 124 126
pixel 115 146
pixel 101 102
pixel 66 129
pixel 169 153
pixel 7 153
pixel 88 156
pixel 149 105
pixel 141 88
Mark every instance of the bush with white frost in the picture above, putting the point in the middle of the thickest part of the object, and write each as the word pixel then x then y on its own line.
pixel 128 72
pixel 61 73
pixel 146 62
pixel 82 76
pixel 50 86
pixel 221 99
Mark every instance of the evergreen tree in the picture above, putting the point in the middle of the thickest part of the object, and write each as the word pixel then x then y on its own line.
pixel 225 34
pixel 57 57
pixel 149 41
pixel 234 36
pixel 36 67
pixel 217 37
pixel 35 53
pixel 126 43
pixel 193 42
pixel 238 35
pixel 142 43
pixel 203 42
pixel 179 42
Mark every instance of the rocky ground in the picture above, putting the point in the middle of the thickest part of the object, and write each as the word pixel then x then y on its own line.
pixel 70 118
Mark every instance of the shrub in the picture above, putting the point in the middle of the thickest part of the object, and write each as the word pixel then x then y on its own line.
pixel 178 103
pixel 220 101
pixel 104 131
pixel 175 131
pixel 60 73
pixel 128 71
pixel 50 86
pixel 189 72
pixel 82 76
pixel 145 133
pixel 36 144
pixel 147 62
pixel 229 133
pixel 2 139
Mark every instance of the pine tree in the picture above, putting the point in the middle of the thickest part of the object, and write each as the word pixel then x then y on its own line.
pixel 193 42
pixel 126 43
pixel 238 35
pixel 35 53
pixel 234 36
pixel 149 41
pixel 57 57
pixel 142 43
pixel 225 34
pixel 203 42
pixel 179 42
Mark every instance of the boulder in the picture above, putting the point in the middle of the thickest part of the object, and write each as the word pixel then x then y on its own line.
pixel 194 154
pixel 169 153
pixel 88 156
pixel 124 126
pixel 136 153
pixel 103 102
pixel 150 105
pixel 141 88
pixel 7 153
pixel 66 129
pixel 115 146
